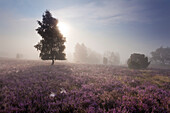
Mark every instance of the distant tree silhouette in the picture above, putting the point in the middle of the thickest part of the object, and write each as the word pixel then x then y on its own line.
pixel 138 61
pixel 83 54
pixel 94 57
pixel 104 60
pixel 80 54
pixel 19 56
pixel 52 43
pixel 161 56
pixel 112 58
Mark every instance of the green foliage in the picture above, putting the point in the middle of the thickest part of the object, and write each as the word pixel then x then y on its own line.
pixel 161 56
pixel 138 61
pixel 52 43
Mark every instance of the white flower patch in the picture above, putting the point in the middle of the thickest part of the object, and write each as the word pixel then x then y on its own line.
pixel 52 95
pixel 63 91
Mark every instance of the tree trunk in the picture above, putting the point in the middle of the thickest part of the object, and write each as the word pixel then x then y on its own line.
pixel 52 62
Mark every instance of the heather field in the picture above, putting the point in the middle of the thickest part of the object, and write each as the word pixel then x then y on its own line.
pixel 36 86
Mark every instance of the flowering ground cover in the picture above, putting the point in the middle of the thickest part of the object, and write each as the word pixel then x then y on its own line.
pixel 36 86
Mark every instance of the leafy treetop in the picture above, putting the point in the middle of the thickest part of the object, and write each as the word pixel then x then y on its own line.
pixel 52 43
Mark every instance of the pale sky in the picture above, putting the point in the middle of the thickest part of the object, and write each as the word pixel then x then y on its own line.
pixel 124 26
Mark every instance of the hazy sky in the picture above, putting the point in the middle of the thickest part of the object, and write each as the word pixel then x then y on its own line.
pixel 124 26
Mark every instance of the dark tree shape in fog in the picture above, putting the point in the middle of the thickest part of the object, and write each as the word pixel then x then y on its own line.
pixel 52 43
pixel 161 56
pixel 138 61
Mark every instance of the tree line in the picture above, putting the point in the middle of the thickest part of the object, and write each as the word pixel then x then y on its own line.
pixel 52 47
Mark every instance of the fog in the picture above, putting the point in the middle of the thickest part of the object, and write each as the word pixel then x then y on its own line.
pixel 100 29
pixel 20 37
pixel 82 54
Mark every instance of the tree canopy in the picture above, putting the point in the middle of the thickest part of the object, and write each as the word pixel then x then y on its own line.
pixel 80 54
pixel 138 61
pixel 51 45
pixel 112 58
pixel 83 54
pixel 161 56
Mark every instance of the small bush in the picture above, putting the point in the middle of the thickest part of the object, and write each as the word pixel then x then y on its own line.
pixel 138 61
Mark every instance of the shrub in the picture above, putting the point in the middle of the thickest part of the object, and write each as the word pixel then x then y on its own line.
pixel 138 61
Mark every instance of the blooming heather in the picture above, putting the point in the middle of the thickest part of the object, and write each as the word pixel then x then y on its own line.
pixel 27 86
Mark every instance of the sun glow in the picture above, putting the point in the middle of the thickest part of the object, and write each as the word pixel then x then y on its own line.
pixel 64 28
